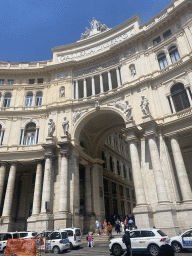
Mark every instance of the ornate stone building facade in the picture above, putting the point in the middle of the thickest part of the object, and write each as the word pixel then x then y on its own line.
pixel 107 120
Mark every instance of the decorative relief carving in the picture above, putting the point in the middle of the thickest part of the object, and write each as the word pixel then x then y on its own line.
pixel 96 68
pixel 97 48
pixel 129 52
pixel 77 115
pixel 62 75
pixel 145 106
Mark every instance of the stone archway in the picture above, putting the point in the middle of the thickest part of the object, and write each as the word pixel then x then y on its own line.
pixel 91 134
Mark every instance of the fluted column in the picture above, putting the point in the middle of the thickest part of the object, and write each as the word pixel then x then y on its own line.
pixel 37 190
pixel 118 77
pixel 138 182
pixel 93 85
pixel 181 170
pixel 2 180
pixel 101 83
pixel 84 88
pixel 46 194
pixel 109 80
pixel 63 183
pixel 159 179
pixel 88 190
pixel 77 90
pixel 9 191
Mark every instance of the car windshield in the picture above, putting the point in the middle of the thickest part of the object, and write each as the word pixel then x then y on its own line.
pixel 78 232
pixel 161 233
pixel 64 235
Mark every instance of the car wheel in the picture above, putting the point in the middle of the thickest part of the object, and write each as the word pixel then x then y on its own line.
pixel 4 250
pixel 71 246
pixel 154 250
pixel 176 247
pixel 56 250
pixel 117 250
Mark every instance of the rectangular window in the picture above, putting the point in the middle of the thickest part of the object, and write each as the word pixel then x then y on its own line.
pixel 29 101
pixel 167 33
pixel 10 82
pixel 121 191
pixel 157 40
pixel 127 192
pixel 40 80
pixel 38 100
pixel 2 81
pixel 114 190
pixel 31 81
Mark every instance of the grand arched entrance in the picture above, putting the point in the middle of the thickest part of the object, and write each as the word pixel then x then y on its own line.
pixel 106 183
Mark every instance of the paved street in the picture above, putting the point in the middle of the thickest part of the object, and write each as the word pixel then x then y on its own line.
pixel 102 249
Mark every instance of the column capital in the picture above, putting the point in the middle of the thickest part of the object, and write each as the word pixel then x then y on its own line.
pixel 131 133
pixel 65 148
pixel 49 149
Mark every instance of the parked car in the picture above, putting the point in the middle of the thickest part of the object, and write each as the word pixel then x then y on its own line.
pixel 59 241
pixel 183 241
pixel 74 235
pixel 27 234
pixel 4 237
pixel 142 240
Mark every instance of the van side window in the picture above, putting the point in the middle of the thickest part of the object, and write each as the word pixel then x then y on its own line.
pixel 7 236
pixel 55 235
pixel 70 233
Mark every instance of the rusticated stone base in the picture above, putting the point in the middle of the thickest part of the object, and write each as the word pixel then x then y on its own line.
pixel 6 224
pixel 62 220
pixel 143 216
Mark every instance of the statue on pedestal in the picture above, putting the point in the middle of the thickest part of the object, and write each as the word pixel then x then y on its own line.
pixel 51 127
pixel 128 111
pixel 65 125
pixel 145 106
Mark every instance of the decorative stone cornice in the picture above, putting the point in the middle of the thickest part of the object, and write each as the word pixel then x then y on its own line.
pixel 149 126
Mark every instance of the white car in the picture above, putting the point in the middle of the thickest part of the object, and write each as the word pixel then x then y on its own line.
pixel 4 237
pixel 27 234
pixel 74 235
pixel 142 240
pixel 183 241
pixel 58 241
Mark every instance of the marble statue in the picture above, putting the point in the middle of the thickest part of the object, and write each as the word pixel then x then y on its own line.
pixel 128 111
pixel 62 91
pixel 96 27
pixel 97 104
pixel 145 106
pixel 76 116
pixel 86 34
pixel 133 71
pixel 51 127
pixel 65 125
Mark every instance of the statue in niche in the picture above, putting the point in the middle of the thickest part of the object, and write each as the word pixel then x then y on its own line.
pixel 128 111
pixel 51 127
pixel 97 105
pixel 65 125
pixel 145 106
pixel 133 70
pixel 62 91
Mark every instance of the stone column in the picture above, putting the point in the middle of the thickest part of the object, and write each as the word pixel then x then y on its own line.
pixel 159 178
pixel 181 170
pixel 9 191
pixel 84 88
pixel 172 104
pixel 88 191
pixel 63 182
pixel 101 83
pixel 77 90
pixel 189 96
pixel 73 90
pixel 109 80
pixel 46 194
pixel 2 179
pixel 138 182
pixel 37 190
pixel 93 85
pixel 118 77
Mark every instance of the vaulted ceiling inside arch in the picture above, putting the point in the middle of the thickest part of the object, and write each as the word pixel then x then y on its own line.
pixel 97 129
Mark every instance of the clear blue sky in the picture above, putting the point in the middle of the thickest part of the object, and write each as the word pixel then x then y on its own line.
pixel 30 28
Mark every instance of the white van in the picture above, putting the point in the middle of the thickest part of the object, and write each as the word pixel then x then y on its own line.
pixel 4 237
pixel 74 235
pixel 58 241
pixel 27 234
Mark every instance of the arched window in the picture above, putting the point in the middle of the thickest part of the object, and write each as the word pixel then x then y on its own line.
pixel 1 135
pixel 29 99
pixel 29 136
pixel 7 100
pixel 111 163
pixel 174 55
pixel 162 60
pixel 38 100
pixel 179 96
pixel 118 168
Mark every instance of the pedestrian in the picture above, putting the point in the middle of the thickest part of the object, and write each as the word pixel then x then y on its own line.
pixel 90 240
pixel 130 224
pixel 127 241
pixel 105 227
pixel 109 230
pixel 117 226
pixel 99 228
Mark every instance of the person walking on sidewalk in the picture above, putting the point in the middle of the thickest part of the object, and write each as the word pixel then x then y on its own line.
pixel 127 241
pixel 109 230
